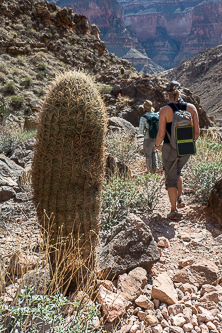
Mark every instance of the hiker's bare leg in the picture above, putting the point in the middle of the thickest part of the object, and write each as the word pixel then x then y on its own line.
pixel 179 186
pixel 172 193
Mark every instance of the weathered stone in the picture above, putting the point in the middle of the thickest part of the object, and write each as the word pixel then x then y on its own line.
pixel 151 320
pixel 6 193
pixel 131 287
pixel 203 272
pixel 163 242
pixel 211 297
pixel 207 288
pixel 163 289
pixel 175 309
pixel 141 315
pixel 186 262
pixel 144 302
pixel 187 313
pixel 113 305
pixel 105 283
pixel 128 245
pixel 123 125
pixel 157 329
pixel 187 327
pixel 176 329
pixel 187 287
pixel 204 315
pixel 178 320
pixel 8 168
pixel 204 328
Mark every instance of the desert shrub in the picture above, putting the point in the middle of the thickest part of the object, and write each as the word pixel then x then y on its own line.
pixel 122 147
pixel 3 108
pixel 10 87
pixel 42 313
pixel 26 82
pixel 16 101
pixel 122 195
pixel 204 177
pixel 104 88
pixel 3 68
pixel 205 168
pixel 42 66
pixel 8 141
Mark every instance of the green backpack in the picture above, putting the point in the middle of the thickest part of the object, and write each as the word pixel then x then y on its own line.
pixel 153 122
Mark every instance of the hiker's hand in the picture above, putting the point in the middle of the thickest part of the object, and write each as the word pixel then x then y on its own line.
pixel 155 149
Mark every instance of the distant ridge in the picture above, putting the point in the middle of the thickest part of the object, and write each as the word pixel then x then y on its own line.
pixel 202 74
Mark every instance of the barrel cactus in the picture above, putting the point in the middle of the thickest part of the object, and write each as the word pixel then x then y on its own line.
pixel 69 161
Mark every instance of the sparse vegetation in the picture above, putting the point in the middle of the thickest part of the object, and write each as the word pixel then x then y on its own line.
pixel 8 141
pixel 37 308
pixel 121 146
pixel 16 101
pixel 122 195
pixel 205 168
pixel 104 88
pixel 26 82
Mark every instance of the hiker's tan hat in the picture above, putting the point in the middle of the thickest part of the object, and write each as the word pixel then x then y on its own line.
pixel 147 106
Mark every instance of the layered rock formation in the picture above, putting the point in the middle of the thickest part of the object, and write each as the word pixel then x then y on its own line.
pixel 172 31
pixel 108 15
pixel 168 31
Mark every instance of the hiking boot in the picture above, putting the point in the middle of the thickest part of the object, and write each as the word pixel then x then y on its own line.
pixel 174 215
pixel 180 202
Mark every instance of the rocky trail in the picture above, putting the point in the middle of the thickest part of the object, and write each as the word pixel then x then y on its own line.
pixel 181 293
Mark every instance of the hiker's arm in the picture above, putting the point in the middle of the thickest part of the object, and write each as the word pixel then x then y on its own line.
pixel 162 128
pixel 141 126
pixel 192 109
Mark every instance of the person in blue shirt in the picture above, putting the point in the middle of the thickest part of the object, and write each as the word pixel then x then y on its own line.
pixel 148 143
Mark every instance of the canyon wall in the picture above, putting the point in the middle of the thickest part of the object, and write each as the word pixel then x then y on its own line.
pixel 174 30
pixel 167 31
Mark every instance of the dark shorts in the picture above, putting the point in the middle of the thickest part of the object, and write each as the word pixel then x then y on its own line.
pixel 172 169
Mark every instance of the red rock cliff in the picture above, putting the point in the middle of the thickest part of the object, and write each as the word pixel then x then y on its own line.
pixel 173 30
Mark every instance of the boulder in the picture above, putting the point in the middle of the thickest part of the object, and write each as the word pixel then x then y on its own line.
pixel 199 273
pixel 126 246
pixel 23 152
pixel 122 125
pixel 215 200
pixel 8 168
pixel 9 175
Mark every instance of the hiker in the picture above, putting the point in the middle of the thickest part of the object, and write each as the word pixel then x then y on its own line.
pixel 148 143
pixel 173 164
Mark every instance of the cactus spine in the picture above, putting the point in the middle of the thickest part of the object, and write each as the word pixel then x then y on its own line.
pixel 69 159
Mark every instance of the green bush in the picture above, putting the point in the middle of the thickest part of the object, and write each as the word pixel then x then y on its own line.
pixel 16 101
pixel 26 82
pixel 3 108
pixel 204 177
pixel 42 66
pixel 8 143
pixel 121 196
pixel 204 168
pixel 41 313
pixel 10 87
pixel 104 88
pixel 122 147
